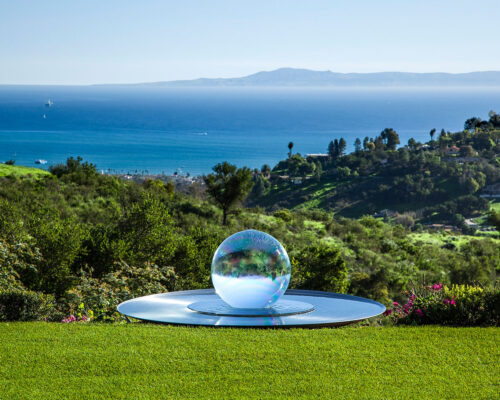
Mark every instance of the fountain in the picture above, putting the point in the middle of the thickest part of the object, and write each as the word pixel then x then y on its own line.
pixel 250 273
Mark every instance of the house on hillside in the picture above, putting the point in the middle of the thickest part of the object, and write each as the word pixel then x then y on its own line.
pixel 443 227
pixel 317 155
pixel 451 151
pixel 386 213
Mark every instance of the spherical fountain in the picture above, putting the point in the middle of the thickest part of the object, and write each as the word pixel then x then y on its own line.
pixel 250 273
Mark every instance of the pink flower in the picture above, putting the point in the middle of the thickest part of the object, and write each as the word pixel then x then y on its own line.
pixel 452 302
pixel 419 312
pixel 395 304
pixel 387 312
pixel 437 286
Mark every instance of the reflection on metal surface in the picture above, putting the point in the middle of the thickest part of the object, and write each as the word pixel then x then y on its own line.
pixel 279 309
pixel 329 309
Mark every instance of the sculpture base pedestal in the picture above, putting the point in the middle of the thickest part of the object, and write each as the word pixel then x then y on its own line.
pixel 311 309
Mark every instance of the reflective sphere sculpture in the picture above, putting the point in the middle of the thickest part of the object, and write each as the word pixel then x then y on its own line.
pixel 250 269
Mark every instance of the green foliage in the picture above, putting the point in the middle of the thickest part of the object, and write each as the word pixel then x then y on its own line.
pixel 283 214
pixel 390 138
pixel 18 264
pixel 56 233
pixel 102 295
pixel 20 305
pixel 21 171
pixel 319 267
pixel 228 185
pixel 460 305
pixel 494 219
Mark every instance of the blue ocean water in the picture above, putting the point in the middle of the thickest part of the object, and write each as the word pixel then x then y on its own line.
pixel 128 129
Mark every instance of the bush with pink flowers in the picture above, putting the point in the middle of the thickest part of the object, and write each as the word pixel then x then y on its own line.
pixel 458 305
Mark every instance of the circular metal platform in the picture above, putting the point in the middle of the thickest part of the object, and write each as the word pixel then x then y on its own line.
pixel 204 307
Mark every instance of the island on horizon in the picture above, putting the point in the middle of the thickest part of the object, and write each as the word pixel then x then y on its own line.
pixel 297 77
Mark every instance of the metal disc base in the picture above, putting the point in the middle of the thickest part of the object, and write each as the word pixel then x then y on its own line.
pixel 328 309
pixel 279 309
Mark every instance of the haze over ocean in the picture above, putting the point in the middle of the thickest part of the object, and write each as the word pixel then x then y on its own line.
pixel 125 129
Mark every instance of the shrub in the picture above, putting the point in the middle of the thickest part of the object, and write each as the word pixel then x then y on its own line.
pixel 18 305
pixel 283 214
pixel 320 267
pixel 460 305
pixel 99 297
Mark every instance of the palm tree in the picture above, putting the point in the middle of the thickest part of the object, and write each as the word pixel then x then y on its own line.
pixel 290 147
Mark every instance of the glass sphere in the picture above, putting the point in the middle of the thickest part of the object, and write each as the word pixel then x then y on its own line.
pixel 250 269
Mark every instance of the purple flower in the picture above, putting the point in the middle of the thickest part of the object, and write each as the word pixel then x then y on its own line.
pixel 419 312
pixel 446 301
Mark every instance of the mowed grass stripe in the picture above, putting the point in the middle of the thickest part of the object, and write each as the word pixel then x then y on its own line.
pixel 53 361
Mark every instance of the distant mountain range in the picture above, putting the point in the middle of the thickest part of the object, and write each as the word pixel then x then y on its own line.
pixel 292 77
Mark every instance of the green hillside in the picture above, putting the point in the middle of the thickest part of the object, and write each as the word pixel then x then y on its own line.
pixel 435 182
pixel 15 170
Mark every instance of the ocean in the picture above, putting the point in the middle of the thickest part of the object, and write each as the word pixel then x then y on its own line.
pixel 189 130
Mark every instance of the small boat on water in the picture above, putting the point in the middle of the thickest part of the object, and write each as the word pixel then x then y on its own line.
pixel 40 161
pixel 44 116
pixel 49 103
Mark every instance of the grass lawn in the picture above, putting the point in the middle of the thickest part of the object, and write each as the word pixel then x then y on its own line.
pixel 139 361
pixel 21 171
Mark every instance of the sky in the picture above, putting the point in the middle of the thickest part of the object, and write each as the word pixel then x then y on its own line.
pixel 127 41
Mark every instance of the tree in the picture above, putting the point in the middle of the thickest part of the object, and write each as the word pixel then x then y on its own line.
pixel 357 145
pixel 390 138
pixel 494 119
pixel 494 219
pixel 366 140
pixel 342 147
pixel 334 148
pixel 320 267
pixel 265 170
pixel 229 185
pixel 331 149
pixel 290 147
pixel 432 133
pixel 412 144
pixel 472 123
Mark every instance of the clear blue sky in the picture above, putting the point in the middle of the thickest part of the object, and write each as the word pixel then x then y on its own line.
pixel 109 41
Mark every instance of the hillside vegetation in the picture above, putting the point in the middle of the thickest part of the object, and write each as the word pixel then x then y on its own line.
pixel 434 182
pixel 88 241
pixel 15 170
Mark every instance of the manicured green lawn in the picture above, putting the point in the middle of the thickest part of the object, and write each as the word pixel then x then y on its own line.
pixel 139 361
pixel 21 171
